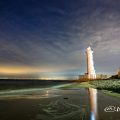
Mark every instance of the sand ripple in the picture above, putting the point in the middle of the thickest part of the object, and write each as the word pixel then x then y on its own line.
pixel 60 109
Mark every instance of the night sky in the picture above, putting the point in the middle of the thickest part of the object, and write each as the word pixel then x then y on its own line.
pixel 48 38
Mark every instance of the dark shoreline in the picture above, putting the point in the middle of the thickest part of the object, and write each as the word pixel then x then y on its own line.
pixel 30 83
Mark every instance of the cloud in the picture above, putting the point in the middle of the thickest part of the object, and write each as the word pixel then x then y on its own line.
pixel 55 37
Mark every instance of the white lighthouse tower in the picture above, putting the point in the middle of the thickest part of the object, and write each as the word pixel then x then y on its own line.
pixel 90 64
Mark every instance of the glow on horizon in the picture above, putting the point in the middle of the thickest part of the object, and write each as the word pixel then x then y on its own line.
pixel 17 69
pixel 30 72
pixel 55 78
pixel 13 70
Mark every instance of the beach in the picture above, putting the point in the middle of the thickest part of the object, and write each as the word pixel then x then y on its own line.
pixel 56 103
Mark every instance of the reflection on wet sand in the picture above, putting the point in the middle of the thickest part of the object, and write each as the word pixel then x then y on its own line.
pixel 93 103
pixel 56 104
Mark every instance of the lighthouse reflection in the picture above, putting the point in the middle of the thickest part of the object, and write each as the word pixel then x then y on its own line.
pixel 93 103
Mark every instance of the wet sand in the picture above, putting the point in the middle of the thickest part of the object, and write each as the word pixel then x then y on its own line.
pixel 57 104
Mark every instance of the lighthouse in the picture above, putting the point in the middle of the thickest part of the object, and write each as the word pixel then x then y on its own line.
pixel 90 64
